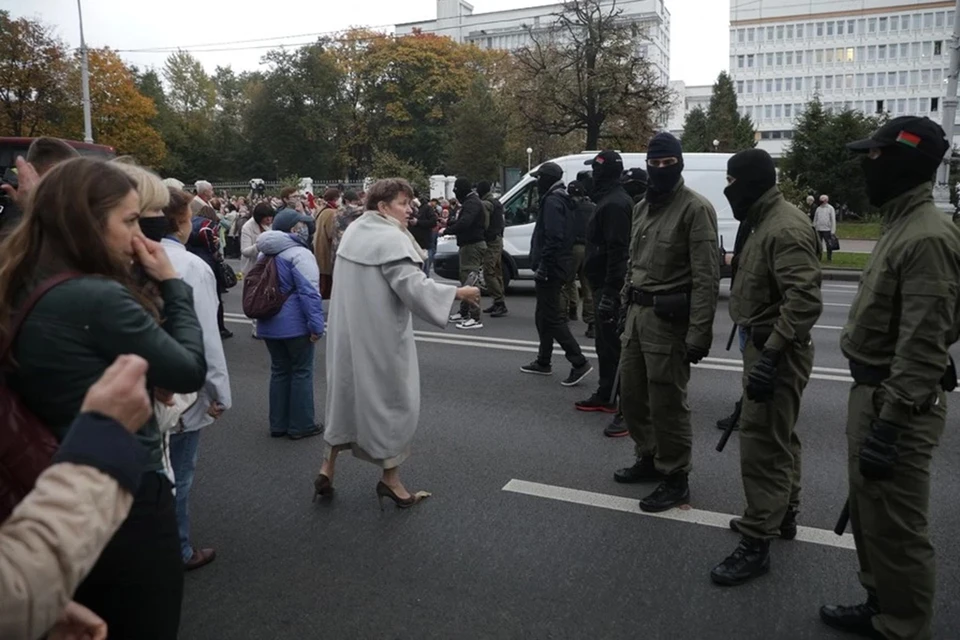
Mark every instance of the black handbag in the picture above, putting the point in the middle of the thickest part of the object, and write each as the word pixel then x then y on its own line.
pixel 833 243
pixel 227 275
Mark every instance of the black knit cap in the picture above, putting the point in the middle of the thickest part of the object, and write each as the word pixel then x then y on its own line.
pixel 664 145
pixel 754 166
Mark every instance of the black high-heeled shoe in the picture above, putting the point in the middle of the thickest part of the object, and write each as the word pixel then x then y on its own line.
pixel 323 488
pixel 384 491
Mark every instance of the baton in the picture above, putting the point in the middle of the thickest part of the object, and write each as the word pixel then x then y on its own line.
pixel 843 519
pixel 733 333
pixel 726 436
pixel 616 387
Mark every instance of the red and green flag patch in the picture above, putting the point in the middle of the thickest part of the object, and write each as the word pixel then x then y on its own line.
pixel 909 139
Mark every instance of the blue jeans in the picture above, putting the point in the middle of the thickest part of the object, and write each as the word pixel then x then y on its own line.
pixel 183 459
pixel 742 334
pixel 431 256
pixel 291 385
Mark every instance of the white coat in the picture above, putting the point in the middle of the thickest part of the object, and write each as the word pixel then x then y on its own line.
pixel 825 219
pixel 373 377
pixel 248 244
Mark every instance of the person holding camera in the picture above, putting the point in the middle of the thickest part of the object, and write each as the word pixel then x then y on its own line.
pixel 670 297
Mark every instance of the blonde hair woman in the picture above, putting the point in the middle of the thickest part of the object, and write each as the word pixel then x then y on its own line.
pixel 373 400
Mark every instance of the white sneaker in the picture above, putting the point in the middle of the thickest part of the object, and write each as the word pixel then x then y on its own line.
pixel 456 317
pixel 470 324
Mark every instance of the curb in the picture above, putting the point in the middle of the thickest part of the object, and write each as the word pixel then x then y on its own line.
pixel 842 275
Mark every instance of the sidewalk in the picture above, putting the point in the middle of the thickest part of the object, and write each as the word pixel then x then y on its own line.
pixel 857 246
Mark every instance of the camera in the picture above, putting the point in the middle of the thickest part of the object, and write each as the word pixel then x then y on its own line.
pixel 257 186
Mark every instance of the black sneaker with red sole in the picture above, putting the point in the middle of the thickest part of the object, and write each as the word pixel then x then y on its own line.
pixel 595 403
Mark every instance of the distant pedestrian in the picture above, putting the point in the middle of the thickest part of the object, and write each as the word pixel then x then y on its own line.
pixel 422 222
pixel 493 258
pixel 373 379
pixel 812 206
pixel 825 222
pixel 291 335
pixel 469 229
pixel 347 215
pixel 577 288
pixel 551 257
pixel 323 240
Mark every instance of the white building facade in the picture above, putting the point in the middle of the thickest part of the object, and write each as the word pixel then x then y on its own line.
pixel 875 56
pixel 509 30
pixel 686 99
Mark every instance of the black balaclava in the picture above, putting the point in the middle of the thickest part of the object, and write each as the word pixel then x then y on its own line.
pixel 607 169
pixel 664 179
pixel 635 183
pixel 544 183
pixel 585 178
pixel 462 188
pixel 483 188
pixel 896 171
pixel 155 228
pixel 755 174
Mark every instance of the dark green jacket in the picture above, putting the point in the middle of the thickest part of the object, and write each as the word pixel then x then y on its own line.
pixel 674 246
pixel 778 275
pixel 905 315
pixel 79 328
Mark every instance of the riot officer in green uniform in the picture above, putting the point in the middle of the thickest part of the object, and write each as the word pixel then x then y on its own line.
pixel 670 298
pixel 775 300
pixel 902 322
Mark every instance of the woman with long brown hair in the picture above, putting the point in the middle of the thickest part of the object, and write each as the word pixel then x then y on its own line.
pixel 82 220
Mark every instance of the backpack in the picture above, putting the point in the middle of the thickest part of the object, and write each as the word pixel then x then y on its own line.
pixel 26 445
pixel 262 297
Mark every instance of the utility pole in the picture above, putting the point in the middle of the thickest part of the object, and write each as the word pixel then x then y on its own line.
pixel 85 80
pixel 941 191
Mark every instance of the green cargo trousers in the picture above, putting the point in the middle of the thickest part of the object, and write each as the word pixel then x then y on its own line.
pixel 653 389
pixel 889 517
pixel 471 259
pixel 769 446
pixel 569 296
pixel 493 269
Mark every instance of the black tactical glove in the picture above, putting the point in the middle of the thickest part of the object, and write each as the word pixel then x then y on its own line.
pixel 763 377
pixel 541 275
pixel 607 309
pixel 878 452
pixel 696 354
pixel 622 319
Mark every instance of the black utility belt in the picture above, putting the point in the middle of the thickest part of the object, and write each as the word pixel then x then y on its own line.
pixel 874 376
pixel 667 305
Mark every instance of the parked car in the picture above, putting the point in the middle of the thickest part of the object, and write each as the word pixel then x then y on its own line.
pixel 705 173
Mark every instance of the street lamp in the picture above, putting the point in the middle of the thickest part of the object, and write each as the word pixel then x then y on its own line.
pixel 529 159
pixel 716 146
pixel 85 81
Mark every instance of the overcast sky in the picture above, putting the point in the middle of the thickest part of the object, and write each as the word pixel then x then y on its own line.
pixel 699 31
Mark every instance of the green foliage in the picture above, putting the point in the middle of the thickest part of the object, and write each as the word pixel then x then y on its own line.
pixel 818 161
pixel 721 122
pixel 859 230
pixel 852 261
pixel 389 165
pixel 477 135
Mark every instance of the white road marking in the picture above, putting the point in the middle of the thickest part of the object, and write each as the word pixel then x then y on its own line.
pixel 689 515
pixel 836 304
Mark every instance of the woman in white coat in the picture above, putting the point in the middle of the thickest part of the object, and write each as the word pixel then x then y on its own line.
pixel 373 377
pixel 252 229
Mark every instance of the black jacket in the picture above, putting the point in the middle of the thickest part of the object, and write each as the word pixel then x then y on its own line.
pixel 584 212
pixel 422 229
pixel 468 226
pixel 495 230
pixel 551 247
pixel 608 241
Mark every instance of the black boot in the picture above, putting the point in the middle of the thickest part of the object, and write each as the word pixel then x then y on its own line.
pixel 499 310
pixel 749 560
pixel 643 470
pixel 724 423
pixel 591 332
pixel 856 619
pixel 491 308
pixel 788 526
pixel 672 492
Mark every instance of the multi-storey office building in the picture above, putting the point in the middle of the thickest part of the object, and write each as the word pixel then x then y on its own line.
pixel 877 56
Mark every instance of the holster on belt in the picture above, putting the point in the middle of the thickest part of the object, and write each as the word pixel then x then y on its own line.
pixel 875 376
pixel 669 306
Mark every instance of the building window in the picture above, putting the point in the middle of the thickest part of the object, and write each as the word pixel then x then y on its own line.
pixel 928 21
pixel 848 55
pixel 938 48
pixel 839 55
pixel 799 31
pixel 914 78
pixel 787 111
pixel 769 59
pixel 915 50
pixel 871 52
pixel 820 29
pixel 740 62
pixel 769 85
pixel 882 52
pixel 788 84
pixel 778 111
pixel 927 49
pixel 768 111
pixel 879 106
pixel 904 50
pixel 780 32
pixel 828 83
pixel 937 77
pixel 883 25
pixel 881 80
pixel 925 77
pixel 902 78
pixel 830 28
pixel 789 32
pixel 891 78
pixel 871 25
pixel 750 61
pixel 859 81
pixel 840 25
pixel 913 105
pixel 789 58
pixel 749 87
pixel 750 35
pixel 818 56
pixel 861 26
pixel 901 106
pixel 950 17
pixel 799 57
pixel 740 87
pixel 934 105
pixel 894 23
pixel 870 77
pixel 779 85
pixel 892 52
pixel 769 34
pixel 917 22
pixel 848 81
pixel 780 58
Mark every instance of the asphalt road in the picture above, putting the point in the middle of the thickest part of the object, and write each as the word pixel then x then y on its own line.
pixel 536 560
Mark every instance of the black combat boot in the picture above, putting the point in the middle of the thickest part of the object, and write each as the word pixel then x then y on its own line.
pixel 499 310
pixel 857 619
pixel 672 492
pixel 724 423
pixel 491 308
pixel 591 332
pixel 749 560
pixel 643 470
pixel 788 526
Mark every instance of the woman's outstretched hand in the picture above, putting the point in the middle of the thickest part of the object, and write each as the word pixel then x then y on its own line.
pixel 469 294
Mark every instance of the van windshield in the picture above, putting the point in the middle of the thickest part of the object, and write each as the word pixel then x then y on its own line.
pixel 710 184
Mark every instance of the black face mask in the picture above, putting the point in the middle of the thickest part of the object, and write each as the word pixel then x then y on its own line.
pixel 461 195
pixel 606 175
pixel 544 183
pixel 893 174
pixel 156 228
pixel 742 195
pixel 664 179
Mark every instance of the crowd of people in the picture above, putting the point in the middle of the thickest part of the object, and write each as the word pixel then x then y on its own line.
pixel 111 338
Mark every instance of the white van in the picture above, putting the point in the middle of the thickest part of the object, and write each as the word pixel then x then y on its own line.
pixel 705 173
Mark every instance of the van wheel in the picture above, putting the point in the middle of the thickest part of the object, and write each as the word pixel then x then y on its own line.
pixel 507 274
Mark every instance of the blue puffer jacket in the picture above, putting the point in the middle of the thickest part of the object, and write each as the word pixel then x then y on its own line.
pixel 302 313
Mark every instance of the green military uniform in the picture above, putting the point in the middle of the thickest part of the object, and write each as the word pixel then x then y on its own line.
pixel 902 322
pixel 673 249
pixel 776 299
pixel 571 294
pixel 493 256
